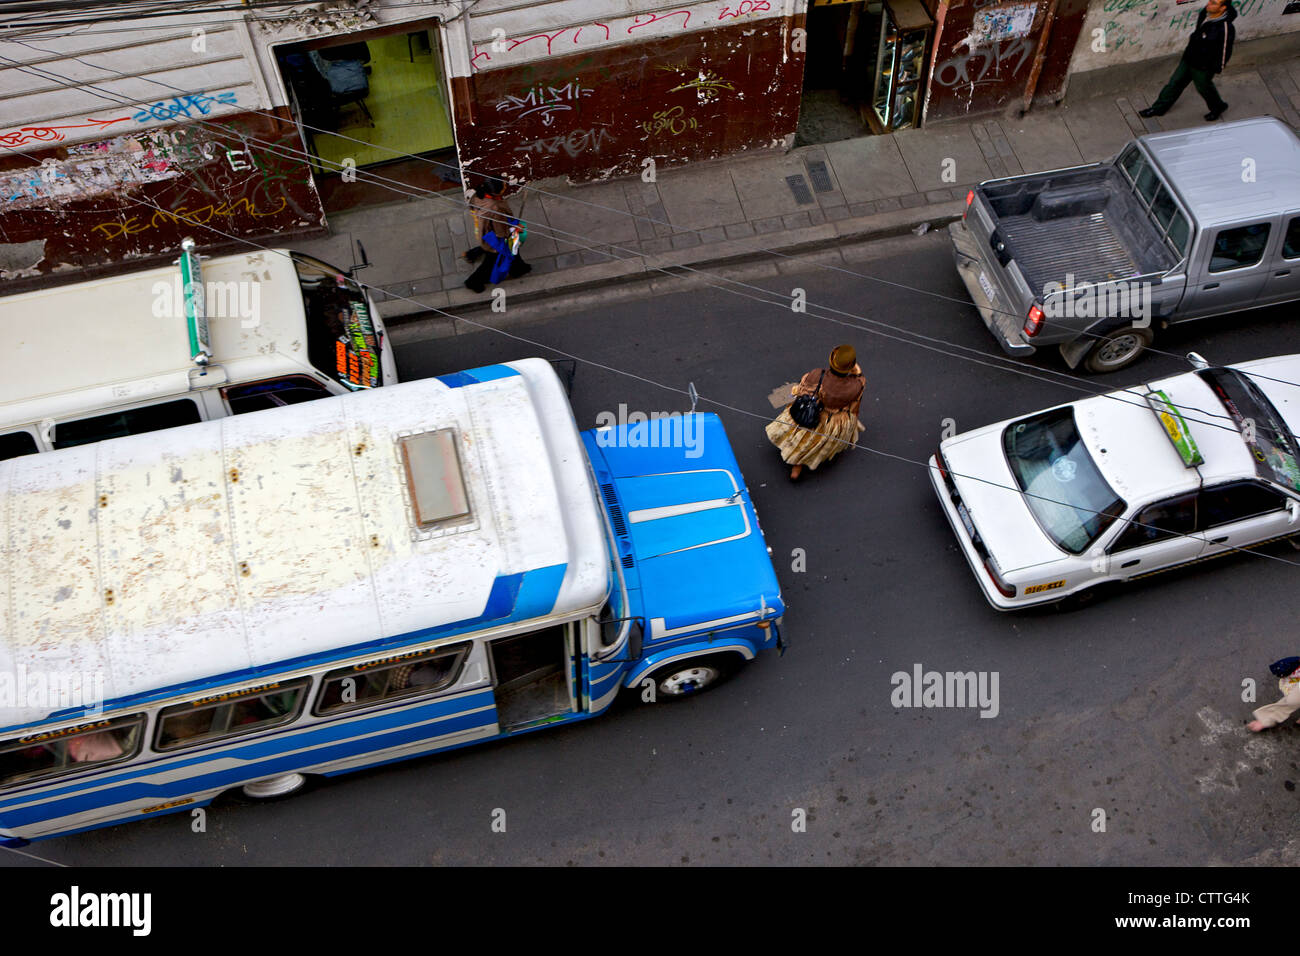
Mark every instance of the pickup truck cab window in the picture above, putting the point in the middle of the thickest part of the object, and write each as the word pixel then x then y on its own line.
pixel 1239 247
pixel 1291 242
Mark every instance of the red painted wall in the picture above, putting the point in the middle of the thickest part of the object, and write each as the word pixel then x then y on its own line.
pixel 594 115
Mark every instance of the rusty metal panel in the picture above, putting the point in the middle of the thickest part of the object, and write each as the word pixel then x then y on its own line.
pixel 983 56
pixel 129 200
pixel 600 114
pixel 1068 24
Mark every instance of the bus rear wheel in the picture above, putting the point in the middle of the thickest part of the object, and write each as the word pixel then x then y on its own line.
pixel 274 788
pixel 694 675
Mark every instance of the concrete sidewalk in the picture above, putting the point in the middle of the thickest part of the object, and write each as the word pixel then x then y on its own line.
pixel 738 209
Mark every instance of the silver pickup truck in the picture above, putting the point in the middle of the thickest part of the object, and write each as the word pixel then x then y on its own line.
pixel 1096 259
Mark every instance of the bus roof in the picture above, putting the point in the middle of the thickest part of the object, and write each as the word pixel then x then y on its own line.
pixel 220 552
pixel 127 333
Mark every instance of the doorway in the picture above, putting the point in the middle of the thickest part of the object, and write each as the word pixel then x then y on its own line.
pixel 534 677
pixel 372 98
pixel 837 70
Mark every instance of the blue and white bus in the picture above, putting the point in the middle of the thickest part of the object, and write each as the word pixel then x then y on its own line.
pixel 249 602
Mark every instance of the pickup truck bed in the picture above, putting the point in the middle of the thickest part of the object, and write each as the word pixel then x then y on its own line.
pixel 1082 222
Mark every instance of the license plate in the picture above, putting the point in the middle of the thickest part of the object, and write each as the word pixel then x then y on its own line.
pixel 987 286
pixel 965 520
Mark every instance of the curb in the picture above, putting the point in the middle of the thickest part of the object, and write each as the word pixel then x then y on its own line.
pixel 649 270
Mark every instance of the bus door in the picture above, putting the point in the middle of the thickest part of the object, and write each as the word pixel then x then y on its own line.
pixel 536 676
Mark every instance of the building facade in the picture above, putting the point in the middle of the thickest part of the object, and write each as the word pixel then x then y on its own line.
pixel 115 142
pixel 118 139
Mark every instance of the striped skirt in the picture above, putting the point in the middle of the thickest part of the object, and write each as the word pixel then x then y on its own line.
pixel 811 447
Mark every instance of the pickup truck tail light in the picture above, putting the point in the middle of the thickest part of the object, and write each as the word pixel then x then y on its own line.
pixel 1033 320
pixel 970 198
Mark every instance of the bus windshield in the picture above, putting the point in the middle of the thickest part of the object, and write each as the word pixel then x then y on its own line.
pixel 1270 442
pixel 341 337
pixel 1062 486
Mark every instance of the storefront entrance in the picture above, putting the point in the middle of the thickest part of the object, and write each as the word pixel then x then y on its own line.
pixel 372 98
pixel 865 69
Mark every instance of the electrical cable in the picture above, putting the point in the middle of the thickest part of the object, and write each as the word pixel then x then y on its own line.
pixel 740 411
pixel 981 359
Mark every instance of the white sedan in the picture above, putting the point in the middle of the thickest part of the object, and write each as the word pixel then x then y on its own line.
pixel 1126 484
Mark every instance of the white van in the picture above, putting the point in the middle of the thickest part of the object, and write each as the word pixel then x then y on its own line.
pixel 181 344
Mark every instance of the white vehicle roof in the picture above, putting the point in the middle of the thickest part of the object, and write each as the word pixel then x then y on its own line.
pixel 219 548
pixel 1205 166
pixel 93 345
pixel 1135 455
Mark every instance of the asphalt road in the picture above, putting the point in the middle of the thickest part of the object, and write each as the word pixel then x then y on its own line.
pixel 1131 706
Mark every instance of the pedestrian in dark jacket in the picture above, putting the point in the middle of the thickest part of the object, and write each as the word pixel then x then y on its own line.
pixel 499 235
pixel 1208 50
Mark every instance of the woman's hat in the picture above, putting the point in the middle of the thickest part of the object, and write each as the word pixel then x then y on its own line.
pixel 843 358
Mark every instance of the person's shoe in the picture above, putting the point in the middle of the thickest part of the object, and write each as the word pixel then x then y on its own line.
pixel 1212 115
pixel 795 472
pixel 476 289
pixel 523 270
pixel 1149 112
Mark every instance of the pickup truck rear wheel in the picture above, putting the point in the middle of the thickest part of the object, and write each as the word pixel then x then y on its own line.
pixel 1117 349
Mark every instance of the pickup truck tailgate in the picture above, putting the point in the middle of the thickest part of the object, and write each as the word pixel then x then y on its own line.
pixel 982 282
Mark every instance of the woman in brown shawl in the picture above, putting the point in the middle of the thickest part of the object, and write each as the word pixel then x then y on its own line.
pixel 842 384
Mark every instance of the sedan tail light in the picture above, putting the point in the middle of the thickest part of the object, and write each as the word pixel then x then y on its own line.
pixel 995 575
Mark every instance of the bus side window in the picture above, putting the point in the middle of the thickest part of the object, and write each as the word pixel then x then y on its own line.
pixel 350 687
pixel 184 725
pixel 39 756
pixel 275 393
pixel 132 421
pixel 15 444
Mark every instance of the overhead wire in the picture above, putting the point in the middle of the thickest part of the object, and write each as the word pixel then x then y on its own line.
pixel 781 302
pixel 715 402
pixel 648 219
pixel 980 357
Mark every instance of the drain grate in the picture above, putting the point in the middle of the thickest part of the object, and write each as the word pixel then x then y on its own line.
pixel 820 176
pixel 799 186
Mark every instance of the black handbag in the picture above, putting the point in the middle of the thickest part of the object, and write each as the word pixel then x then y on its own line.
pixel 1285 667
pixel 806 410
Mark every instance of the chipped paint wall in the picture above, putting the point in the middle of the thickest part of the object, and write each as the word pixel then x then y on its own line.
pixel 590 89
pixel 116 145
pixel 984 53
pixel 132 198
pixel 1126 31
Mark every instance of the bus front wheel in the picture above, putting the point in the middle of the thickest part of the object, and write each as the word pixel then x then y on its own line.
pixel 686 678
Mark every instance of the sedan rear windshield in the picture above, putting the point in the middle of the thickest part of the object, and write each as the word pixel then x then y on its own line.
pixel 1271 443
pixel 1063 489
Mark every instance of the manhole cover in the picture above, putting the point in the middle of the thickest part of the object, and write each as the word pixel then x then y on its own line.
pixel 799 186
pixel 820 176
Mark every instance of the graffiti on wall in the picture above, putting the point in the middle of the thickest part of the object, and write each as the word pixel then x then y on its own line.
pixel 562 41
pixel 135 196
pixel 189 106
pixel 544 101
pixel 600 113
pixel 574 143
pixel 1140 29
pixel 986 63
